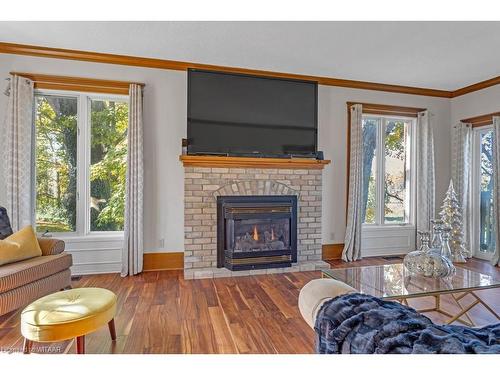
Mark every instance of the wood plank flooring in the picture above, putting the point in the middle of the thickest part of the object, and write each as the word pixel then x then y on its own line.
pixel 160 312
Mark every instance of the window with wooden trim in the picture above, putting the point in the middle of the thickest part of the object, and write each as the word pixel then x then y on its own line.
pixel 388 182
pixel 80 162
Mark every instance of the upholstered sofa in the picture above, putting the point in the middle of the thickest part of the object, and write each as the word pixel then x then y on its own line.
pixel 23 282
pixel 315 293
pixel 26 280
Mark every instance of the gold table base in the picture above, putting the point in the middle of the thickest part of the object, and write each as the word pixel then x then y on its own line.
pixel 464 310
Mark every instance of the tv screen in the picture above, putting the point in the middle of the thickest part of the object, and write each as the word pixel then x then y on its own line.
pixel 242 115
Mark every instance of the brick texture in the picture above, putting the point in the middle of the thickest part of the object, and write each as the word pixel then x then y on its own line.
pixel 203 185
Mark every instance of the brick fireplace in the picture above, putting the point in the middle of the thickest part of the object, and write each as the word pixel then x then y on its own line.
pixel 205 185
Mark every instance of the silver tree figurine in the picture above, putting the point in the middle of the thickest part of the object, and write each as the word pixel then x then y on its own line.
pixel 451 214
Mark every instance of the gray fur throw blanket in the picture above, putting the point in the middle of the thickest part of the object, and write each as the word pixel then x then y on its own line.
pixel 362 324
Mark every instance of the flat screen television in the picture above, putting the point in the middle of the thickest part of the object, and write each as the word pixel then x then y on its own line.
pixel 244 115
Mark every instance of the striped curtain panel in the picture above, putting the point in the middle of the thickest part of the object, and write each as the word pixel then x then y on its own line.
pixel 133 249
pixel 18 152
pixel 425 172
pixel 352 247
pixel 461 164
pixel 496 187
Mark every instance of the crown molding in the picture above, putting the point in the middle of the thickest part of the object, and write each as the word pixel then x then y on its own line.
pixel 476 87
pixel 146 62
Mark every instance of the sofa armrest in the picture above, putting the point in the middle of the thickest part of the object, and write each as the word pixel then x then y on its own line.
pixel 315 293
pixel 51 246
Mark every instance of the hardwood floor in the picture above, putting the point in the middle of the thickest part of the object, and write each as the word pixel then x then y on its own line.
pixel 160 312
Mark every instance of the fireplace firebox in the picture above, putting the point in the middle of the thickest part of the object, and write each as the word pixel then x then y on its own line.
pixel 255 232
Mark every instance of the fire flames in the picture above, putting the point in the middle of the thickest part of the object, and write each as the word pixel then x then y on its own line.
pixel 255 233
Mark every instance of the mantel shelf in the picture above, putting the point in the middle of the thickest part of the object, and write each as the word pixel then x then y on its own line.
pixel 248 162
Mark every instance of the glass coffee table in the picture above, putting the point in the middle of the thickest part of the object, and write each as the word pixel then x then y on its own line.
pixel 393 282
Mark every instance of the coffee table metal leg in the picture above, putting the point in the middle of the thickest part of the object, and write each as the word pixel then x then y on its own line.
pixel 482 302
pixel 457 300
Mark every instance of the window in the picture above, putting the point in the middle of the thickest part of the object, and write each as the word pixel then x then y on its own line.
pixel 387 170
pixel 482 202
pixel 81 155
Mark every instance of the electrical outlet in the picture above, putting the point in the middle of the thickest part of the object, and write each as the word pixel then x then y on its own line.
pixel 162 243
pixel 332 236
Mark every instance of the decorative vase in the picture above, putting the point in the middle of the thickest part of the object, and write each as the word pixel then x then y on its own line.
pixel 429 262
pixel 445 246
pixel 413 261
pixel 437 229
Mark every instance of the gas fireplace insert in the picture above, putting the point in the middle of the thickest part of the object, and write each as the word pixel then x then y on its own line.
pixel 255 232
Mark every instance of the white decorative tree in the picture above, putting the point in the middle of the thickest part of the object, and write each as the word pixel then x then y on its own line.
pixel 451 214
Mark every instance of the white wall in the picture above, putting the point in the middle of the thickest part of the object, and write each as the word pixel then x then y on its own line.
pixel 165 125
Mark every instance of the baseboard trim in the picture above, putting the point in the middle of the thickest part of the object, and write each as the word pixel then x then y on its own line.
pixel 175 261
pixel 332 251
pixel 163 261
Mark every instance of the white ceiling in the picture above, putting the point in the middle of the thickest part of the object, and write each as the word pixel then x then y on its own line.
pixel 440 55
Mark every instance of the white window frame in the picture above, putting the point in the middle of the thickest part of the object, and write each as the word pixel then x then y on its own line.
pixel 83 164
pixel 380 173
pixel 475 196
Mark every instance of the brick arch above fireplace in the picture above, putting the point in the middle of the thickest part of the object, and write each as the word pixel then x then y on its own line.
pixel 256 187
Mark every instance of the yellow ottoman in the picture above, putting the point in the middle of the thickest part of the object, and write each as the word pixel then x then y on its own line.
pixel 68 314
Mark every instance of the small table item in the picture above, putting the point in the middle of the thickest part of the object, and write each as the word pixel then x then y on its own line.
pixel 394 282
pixel 67 315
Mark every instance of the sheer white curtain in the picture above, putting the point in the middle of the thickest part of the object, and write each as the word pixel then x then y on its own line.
pixel 133 249
pixel 461 174
pixel 425 205
pixel 352 247
pixel 18 152
pixel 496 187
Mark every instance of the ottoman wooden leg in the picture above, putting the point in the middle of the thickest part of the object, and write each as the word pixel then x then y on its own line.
pixel 27 346
pixel 80 345
pixel 112 330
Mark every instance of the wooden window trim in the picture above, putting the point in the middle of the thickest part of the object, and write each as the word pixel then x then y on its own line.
pixel 387 110
pixel 482 120
pixel 53 82
pixel 373 109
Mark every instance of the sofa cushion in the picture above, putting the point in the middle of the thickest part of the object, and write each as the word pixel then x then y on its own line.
pixel 5 228
pixel 27 243
pixel 9 252
pixel 21 273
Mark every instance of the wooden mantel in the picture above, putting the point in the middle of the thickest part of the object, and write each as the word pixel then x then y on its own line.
pixel 248 162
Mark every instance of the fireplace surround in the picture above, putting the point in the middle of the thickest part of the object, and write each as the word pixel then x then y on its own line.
pixel 256 232
pixel 207 178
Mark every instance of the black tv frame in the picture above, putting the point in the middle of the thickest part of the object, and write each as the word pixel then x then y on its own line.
pixel 284 156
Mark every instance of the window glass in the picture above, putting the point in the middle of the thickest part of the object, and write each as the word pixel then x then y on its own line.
pixel 108 163
pixel 486 225
pixel 370 126
pixel 55 161
pixel 386 174
pixel 84 189
pixel 396 177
